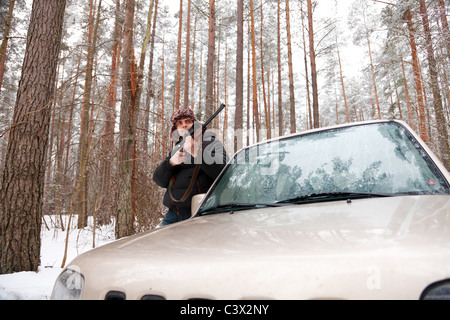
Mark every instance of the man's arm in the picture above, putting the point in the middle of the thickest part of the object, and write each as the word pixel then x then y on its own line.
pixel 164 173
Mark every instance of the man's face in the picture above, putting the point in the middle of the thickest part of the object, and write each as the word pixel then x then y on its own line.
pixel 183 125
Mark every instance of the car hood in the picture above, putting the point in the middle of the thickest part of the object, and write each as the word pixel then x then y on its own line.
pixel 368 248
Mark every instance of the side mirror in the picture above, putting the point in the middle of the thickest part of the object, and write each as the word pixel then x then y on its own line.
pixel 196 202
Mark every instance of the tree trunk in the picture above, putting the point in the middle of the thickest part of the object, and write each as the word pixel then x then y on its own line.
pixel 150 89
pixel 215 123
pixel 254 75
pixel 72 106
pixel 81 207
pixel 408 100
pixel 191 99
pixel 308 93
pixel 239 115
pixel 60 142
pixel 312 55
pixel 200 93
pixel 442 132
pixel 225 118
pixel 128 115
pixel 280 99
pixel 178 84
pixel 291 71
pixel 444 21
pixel 342 81
pixel 248 81
pixel 107 141
pixel 210 61
pixel 163 89
pixel 187 59
pixel 421 105
pixel 22 179
pixel 4 44
pixel 263 82
pixel 372 68
pixel 140 69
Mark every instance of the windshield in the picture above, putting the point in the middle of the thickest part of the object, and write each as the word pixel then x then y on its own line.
pixel 366 159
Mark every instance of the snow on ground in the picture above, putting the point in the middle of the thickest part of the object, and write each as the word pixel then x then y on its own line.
pixel 39 285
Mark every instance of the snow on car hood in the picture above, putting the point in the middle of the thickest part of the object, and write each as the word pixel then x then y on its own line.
pixel 267 252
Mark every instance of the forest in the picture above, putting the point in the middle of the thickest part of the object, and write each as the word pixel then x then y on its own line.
pixel 87 89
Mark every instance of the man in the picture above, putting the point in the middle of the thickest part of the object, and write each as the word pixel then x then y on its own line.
pixel 203 152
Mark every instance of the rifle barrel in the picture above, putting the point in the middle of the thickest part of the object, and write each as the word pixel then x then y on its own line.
pixel 182 139
pixel 214 115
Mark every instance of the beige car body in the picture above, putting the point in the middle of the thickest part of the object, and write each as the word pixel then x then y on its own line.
pixel 381 248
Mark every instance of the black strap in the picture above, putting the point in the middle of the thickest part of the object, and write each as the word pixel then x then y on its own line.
pixel 189 189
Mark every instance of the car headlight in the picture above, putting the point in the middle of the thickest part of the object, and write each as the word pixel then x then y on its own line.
pixel 68 286
pixel 437 291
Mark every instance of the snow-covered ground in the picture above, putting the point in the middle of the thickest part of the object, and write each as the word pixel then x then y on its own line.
pixel 39 285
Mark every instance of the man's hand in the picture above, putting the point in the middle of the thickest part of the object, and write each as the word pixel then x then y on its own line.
pixel 192 146
pixel 178 158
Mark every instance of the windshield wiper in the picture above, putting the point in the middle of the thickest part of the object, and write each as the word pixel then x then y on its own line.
pixel 237 206
pixel 333 196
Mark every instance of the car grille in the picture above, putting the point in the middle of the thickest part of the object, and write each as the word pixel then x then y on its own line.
pixel 115 295
pixel 118 295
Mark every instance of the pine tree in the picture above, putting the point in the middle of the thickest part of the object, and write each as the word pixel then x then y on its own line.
pixel 210 61
pixel 312 57
pixel 238 119
pixel 4 44
pixel 127 136
pixel 442 135
pixel 22 178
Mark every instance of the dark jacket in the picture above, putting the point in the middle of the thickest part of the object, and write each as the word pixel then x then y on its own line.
pixel 214 159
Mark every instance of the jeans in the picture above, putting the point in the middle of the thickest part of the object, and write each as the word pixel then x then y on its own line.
pixel 172 217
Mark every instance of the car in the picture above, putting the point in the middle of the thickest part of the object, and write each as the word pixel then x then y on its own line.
pixel 354 211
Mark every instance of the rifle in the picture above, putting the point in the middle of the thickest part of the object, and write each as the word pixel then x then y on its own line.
pixel 180 144
pixel 204 126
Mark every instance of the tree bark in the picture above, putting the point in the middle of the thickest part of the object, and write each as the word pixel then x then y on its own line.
pixel 140 68
pixel 308 93
pixel 4 44
pixel 280 98
pixel 254 75
pixel 163 89
pixel 342 81
pixel 248 82
pixel 238 116
pixel 312 58
pixel 442 132
pixel 408 100
pixel 187 59
pixel 150 89
pixel 22 179
pixel 444 21
pixel 210 61
pixel 417 77
pixel 193 81
pixel 372 68
pixel 291 71
pixel 178 84
pixel 82 204
pixel 263 82
pixel 107 141
pixel 128 117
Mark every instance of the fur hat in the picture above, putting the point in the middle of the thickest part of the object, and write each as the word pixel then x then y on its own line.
pixel 179 114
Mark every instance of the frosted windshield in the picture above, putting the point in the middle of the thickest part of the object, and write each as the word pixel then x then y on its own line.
pixel 375 158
